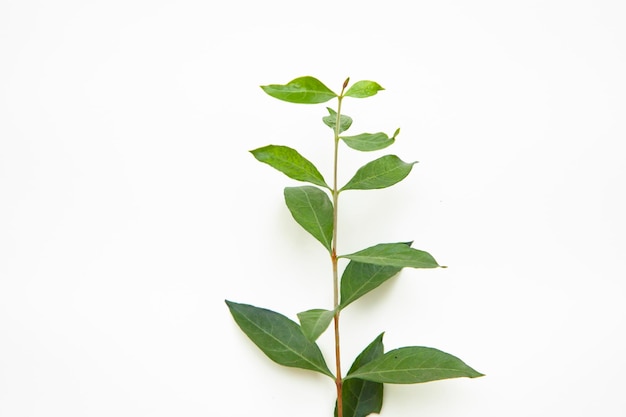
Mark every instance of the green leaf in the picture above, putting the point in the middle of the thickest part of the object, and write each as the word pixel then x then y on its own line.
pixel 358 279
pixel 303 90
pixel 412 365
pixel 369 141
pixel 380 173
pixel 314 322
pixel 362 89
pixel 362 398
pixel 331 121
pixel 290 162
pixel 394 254
pixel 313 210
pixel 279 338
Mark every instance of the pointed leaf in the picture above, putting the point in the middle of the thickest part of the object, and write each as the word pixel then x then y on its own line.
pixel 279 338
pixel 380 173
pixel 303 90
pixel 367 142
pixel 331 120
pixel 290 162
pixel 412 365
pixel 362 398
pixel 314 322
pixel 313 210
pixel 362 89
pixel 358 279
pixel 394 254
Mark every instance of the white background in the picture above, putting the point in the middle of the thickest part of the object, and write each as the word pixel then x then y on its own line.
pixel 131 208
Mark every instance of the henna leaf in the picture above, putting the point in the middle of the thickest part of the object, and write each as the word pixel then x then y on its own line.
pixel 362 89
pixel 290 162
pixel 331 120
pixel 279 338
pixel 413 364
pixel 303 90
pixel 367 142
pixel 379 173
pixel 313 210
pixel 314 322
pixel 360 397
pixel 359 278
pixel 394 254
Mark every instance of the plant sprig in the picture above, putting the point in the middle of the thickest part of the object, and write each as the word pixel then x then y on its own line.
pixel 315 208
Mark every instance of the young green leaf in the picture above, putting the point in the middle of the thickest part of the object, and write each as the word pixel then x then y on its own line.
pixel 362 398
pixel 358 279
pixel 362 89
pixel 394 254
pixel 380 173
pixel 367 142
pixel 331 120
pixel 302 90
pixel 279 338
pixel 314 322
pixel 412 365
pixel 313 210
pixel 290 162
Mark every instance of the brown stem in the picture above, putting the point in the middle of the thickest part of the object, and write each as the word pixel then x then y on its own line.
pixel 335 192
pixel 338 381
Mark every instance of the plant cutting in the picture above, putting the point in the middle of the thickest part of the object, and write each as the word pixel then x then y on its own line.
pixel 314 207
